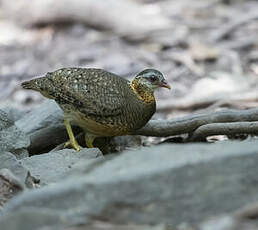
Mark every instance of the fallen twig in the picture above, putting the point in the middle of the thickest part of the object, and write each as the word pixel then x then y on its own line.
pixel 200 125
pixel 230 128
pixel 188 124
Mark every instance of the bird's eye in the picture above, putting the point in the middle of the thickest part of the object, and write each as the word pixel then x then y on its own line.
pixel 153 78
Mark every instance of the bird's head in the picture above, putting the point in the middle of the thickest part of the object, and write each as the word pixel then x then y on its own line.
pixel 151 79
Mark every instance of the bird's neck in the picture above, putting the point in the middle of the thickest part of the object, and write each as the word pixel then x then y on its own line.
pixel 142 92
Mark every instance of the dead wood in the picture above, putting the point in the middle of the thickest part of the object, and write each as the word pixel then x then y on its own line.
pixel 230 128
pixel 225 122
pixel 188 124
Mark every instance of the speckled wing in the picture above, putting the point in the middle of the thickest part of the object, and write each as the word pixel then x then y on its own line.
pixel 94 92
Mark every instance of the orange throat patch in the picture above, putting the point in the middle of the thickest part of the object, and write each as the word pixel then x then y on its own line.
pixel 144 94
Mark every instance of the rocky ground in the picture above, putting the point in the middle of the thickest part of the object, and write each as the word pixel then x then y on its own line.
pixel 158 187
pixel 164 178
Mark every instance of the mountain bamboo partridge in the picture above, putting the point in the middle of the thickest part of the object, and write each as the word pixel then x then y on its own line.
pixel 100 102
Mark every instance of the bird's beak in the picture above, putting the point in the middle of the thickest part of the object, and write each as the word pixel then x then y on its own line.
pixel 165 84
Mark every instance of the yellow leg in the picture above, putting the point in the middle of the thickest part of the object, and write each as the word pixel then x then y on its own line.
pixel 73 143
pixel 89 140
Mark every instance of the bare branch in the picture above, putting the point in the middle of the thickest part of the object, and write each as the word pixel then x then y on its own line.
pixel 188 124
pixel 200 125
pixel 204 131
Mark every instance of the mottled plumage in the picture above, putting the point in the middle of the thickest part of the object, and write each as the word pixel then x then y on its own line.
pixel 100 102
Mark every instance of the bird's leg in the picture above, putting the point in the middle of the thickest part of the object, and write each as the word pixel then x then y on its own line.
pixel 89 140
pixel 72 142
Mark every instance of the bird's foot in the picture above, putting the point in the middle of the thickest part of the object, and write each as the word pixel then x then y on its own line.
pixel 73 144
pixel 89 140
pixel 89 145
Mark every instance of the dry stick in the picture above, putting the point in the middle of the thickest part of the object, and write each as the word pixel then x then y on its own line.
pixel 188 124
pixel 204 131
pixel 160 128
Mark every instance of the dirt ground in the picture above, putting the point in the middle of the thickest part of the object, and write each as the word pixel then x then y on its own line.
pixel 207 49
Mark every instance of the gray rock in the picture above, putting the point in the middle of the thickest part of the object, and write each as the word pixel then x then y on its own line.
pixel 13 113
pixel 47 114
pixel 223 222
pixel 45 139
pixel 164 184
pixel 5 122
pixel 9 161
pixel 9 186
pixel 20 153
pixel 32 219
pixel 11 138
pixel 110 226
pixel 84 167
pixel 50 167
pixel 245 218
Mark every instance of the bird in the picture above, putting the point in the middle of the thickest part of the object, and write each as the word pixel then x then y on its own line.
pixel 102 103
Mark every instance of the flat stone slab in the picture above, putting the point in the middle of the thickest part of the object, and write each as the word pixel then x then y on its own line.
pixel 32 219
pixel 167 184
pixel 50 167
pixel 9 186
pixel 13 113
pixel 13 177
pixel 45 115
pixel 12 139
pixel 9 161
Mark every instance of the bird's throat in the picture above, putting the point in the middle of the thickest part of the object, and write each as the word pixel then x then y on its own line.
pixel 142 92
